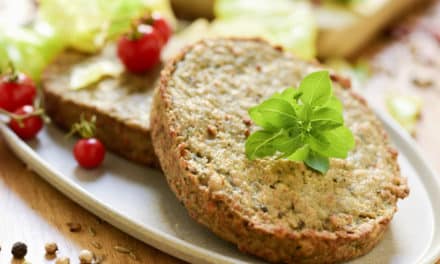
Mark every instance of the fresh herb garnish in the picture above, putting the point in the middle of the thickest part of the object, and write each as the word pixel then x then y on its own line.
pixel 304 124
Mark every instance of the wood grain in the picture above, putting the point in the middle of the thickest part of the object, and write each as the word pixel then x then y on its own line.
pixel 34 212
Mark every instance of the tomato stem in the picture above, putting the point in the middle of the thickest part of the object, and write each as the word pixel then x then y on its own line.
pixel 10 73
pixel 145 19
pixel 19 118
pixel 86 129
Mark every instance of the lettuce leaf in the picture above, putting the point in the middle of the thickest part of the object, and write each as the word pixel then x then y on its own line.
pixel 29 48
pixel 86 24
pixel 284 22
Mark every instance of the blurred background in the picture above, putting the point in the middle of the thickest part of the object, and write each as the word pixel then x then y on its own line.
pixel 389 49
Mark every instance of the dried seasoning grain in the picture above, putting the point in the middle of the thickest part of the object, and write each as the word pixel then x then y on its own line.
pixel 74 227
pixel 51 248
pixel 92 231
pixel 19 250
pixel 86 256
pixel 96 244
pixel 62 260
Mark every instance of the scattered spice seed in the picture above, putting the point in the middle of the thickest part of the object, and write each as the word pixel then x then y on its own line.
pixel 422 83
pixel 100 259
pixel 19 250
pixel 62 260
pixel 92 231
pixel 212 131
pixel 122 250
pixel 74 227
pixel 95 244
pixel 247 133
pixel 51 248
pixel 125 250
pixel 133 256
pixel 85 256
pixel 343 81
pixel 247 121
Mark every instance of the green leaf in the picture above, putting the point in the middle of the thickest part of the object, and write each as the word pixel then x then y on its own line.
pixel 288 143
pixel 274 113
pixel 317 162
pixel 85 24
pixel 305 113
pixel 287 94
pixel 304 125
pixel 333 143
pixel 259 144
pixel 334 104
pixel 326 118
pixel 316 88
pixel 300 154
pixel 288 23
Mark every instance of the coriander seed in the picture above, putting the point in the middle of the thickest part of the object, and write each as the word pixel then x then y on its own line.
pixel 19 250
pixel 85 256
pixel 51 248
pixel 62 260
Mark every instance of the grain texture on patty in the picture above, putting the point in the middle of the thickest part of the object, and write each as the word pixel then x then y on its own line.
pixel 121 104
pixel 276 209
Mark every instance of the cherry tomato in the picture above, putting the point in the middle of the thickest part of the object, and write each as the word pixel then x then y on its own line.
pixel 140 53
pixel 89 152
pixel 15 93
pixel 29 127
pixel 162 27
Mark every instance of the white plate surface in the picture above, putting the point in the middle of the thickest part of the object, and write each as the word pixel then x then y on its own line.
pixel 137 200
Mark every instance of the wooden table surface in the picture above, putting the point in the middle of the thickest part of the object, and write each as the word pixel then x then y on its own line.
pixel 34 212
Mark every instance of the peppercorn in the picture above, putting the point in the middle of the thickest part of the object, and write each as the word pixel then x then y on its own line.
pixel 19 250
pixel 51 248
pixel 62 260
pixel 85 256
pixel 74 227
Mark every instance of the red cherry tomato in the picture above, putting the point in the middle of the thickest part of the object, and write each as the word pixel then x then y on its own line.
pixel 142 53
pixel 89 152
pixel 163 28
pixel 29 127
pixel 16 93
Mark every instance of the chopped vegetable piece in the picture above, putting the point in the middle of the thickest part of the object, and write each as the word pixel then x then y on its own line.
pixel 86 24
pixel 84 76
pixel 405 109
pixel 283 22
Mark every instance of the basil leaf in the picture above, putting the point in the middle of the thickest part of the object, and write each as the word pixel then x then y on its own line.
pixel 288 94
pixel 317 162
pixel 288 143
pixel 259 144
pixel 304 125
pixel 334 103
pixel 300 154
pixel 333 143
pixel 326 118
pixel 260 119
pixel 316 88
pixel 305 113
pixel 274 113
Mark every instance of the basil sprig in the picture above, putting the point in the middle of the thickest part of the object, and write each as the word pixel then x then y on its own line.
pixel 304 124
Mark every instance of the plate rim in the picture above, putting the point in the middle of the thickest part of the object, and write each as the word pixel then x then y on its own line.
pixel 172 245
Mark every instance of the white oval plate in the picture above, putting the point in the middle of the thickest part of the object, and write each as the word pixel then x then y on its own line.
pixel 137 200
